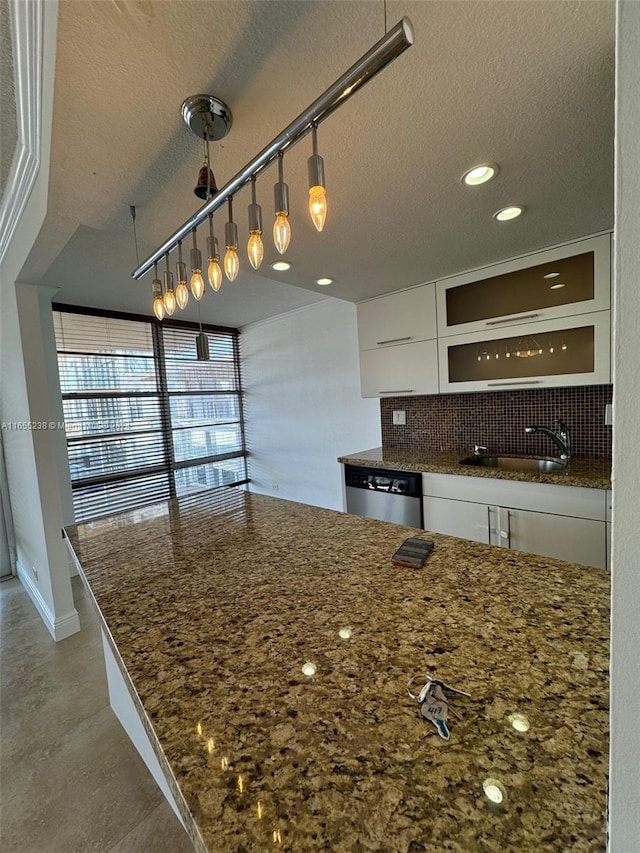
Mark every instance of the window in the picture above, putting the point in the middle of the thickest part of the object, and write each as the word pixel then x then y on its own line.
pixel 144 419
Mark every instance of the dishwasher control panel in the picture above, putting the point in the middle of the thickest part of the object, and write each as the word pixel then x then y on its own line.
pixel 380 480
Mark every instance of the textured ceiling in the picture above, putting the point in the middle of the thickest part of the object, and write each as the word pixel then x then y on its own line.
pixel 528 85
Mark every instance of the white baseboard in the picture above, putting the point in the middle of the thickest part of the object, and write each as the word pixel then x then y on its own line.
pixel 60 627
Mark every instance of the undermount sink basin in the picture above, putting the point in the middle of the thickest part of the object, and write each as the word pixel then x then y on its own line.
pixel 540 464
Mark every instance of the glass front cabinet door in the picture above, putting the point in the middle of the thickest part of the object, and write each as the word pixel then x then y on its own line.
pixel 573 351
pixel 539 320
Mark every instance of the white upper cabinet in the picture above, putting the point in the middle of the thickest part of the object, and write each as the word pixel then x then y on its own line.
pixel 398 318
pixel 561 282
pixel 566 351
pixel 400 371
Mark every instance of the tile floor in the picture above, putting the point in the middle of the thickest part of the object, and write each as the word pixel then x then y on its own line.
pixel 70 779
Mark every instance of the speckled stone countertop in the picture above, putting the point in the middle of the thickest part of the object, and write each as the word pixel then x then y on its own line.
pixel 593 473
pixel 215 604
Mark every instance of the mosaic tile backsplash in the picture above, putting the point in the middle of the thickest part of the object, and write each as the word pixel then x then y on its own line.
pixel 455 422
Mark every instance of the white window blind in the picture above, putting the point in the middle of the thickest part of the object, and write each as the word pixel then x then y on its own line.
pixel 144 419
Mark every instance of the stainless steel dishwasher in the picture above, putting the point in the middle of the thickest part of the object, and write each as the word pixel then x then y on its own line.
pixel 385 495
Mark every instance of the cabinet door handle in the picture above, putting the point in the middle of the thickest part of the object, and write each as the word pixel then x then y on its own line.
pixel 512 319
pixel 394 340
pixel 504 536
pixel 489 528
pixel 398 391
pixel 521 382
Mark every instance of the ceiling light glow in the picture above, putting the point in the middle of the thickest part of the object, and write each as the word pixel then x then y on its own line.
pixel 494 791
pixel 281 266
pixel 324 281
pixel 519 722
pixel 508 213
pixel 480 174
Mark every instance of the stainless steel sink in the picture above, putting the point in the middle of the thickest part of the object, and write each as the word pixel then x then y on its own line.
pixel 538 464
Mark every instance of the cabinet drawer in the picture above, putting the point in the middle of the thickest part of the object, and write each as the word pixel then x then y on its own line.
pixel 574 351
pixel 403 317
pixel 400 371
pixel 538 497
pixel 559 282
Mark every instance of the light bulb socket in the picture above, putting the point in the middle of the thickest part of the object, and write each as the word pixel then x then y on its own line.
pixel 196 259
pixel 315 168
pixel 156 284
pixel 168 280
pixel 202 346
pixel 255 218
pixel 281 197
pixel 212 248
pixel 231 235
pixel 181 272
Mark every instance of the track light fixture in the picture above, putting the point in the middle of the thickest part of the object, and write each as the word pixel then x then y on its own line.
pixel 255 249
pixel 317 191
pixel 281 227
pixel 210 119
pixel 214 273
pixel 231 260
pixel 182 293
pixel 158 301
pixel 197 282
pixel 169 295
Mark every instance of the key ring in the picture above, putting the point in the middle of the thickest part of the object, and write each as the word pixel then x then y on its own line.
pixel 423 691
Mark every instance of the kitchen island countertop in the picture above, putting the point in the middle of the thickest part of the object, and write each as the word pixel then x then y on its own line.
pixel 215 603
pixel 588 472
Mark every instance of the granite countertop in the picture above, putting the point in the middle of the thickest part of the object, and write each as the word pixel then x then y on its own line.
pixel 593 473
pixel 215 603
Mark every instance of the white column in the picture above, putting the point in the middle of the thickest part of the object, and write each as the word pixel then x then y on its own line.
pixel 624 805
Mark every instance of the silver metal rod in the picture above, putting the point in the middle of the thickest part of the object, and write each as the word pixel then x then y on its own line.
pixel 390 46
pixel 519 382
pixel 511 319
pixel 394 340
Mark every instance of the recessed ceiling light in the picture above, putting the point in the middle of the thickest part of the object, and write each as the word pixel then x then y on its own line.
pixel 551 275
pixel 556 286
pixel 324 281
pixel 508 213
pixel 480 174
pixel 281 266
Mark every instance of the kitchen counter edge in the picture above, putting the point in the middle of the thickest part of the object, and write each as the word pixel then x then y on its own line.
pixel 586 472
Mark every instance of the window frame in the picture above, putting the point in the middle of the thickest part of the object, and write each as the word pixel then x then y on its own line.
pixel 169 466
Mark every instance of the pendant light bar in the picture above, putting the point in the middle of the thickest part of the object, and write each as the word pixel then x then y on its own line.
pixel 390 46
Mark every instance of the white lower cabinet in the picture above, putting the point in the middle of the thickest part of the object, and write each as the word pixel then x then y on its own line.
pixel 563 522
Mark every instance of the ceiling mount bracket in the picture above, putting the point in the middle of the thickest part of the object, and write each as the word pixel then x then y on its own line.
pixel 207 116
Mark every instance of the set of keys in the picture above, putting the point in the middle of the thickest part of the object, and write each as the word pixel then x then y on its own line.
pixel 435 701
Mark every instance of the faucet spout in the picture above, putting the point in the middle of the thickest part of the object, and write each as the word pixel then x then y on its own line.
pixel 560 437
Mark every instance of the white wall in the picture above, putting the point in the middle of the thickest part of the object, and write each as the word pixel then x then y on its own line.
pixel 25 353
pixel 624 805
pixel 303 409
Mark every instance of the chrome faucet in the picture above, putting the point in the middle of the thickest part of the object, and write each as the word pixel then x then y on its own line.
pixel 561 437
